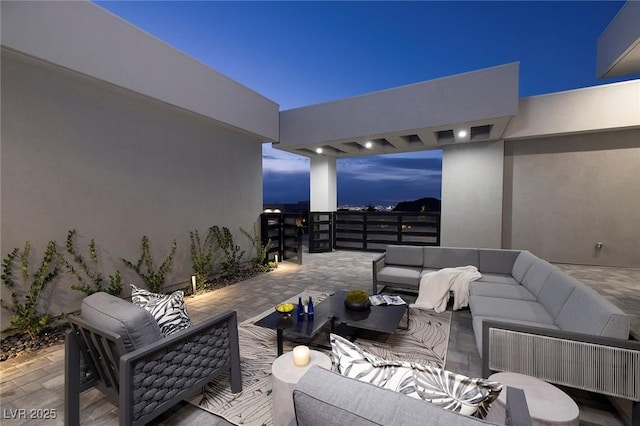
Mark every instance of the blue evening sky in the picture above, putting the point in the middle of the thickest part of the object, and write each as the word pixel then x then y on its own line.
pixel 304 52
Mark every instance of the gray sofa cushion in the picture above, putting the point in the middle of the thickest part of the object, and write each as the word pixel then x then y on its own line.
pixel 497 261
pixel 400 274
pixel 517 292
pixel 537 275
pixel 404 256
pixel 133 324
pixel 477 327
pixel 323 397
pixel 449 257
pixel 585 311
pixel 497 278
pixel 556 291
pixel 522 264
pixel 522 310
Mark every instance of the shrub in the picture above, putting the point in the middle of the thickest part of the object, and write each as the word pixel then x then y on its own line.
pixel 259 260
pixel 90 279
pixel 24 306
pixel 232 254
pixel 203 257
pixel 153 278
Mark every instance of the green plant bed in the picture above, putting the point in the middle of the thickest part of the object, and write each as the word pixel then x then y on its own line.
pixel 20 342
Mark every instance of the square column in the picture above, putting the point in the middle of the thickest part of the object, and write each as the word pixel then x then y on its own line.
pixel 324 188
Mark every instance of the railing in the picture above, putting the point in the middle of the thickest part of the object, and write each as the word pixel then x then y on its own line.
pixel 375 230
pixel 285 234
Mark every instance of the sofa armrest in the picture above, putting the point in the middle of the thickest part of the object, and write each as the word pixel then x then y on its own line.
pixel 378 263
pixel 159 375
pixel 598 364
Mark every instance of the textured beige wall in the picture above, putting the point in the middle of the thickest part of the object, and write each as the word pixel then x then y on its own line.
pixel 472 195
pixel 565 194
pixel 79 153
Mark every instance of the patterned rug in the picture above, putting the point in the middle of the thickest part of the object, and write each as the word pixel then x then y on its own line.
pixel 425 342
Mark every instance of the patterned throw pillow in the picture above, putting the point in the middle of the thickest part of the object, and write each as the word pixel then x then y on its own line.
pixel 169 310
pixel 454 392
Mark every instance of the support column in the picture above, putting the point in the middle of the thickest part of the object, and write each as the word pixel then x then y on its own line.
pixel 472 190
pixel 324 188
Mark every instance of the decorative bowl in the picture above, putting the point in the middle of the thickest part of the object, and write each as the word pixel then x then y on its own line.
pixel 356 306
pixel 285 309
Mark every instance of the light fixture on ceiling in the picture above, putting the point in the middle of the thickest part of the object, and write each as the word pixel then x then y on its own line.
pixel 368 144
pixel 462 133
pixel 318 150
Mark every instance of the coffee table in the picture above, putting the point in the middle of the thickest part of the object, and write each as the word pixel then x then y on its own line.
pixel 383 319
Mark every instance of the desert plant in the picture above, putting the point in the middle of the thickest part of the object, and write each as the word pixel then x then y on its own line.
pixel 258 261
pixel 90 279
pixel 232 254
pixel 203 255
pixel 24 306
pixel 153 278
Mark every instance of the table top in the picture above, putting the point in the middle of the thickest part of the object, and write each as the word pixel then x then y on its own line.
pixel 384 319
pixel 284 370
pixel 544 400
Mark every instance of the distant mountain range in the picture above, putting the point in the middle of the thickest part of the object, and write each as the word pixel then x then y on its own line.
pixel 429 204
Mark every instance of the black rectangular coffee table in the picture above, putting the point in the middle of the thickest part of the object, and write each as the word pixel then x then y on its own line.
pixel 383 319
pixel 303 326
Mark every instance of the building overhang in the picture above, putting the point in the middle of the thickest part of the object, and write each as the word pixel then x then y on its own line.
pixel 84 38
pixel 465 108
pixel 619 45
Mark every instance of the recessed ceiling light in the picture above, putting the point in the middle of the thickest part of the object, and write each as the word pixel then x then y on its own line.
pixel 319 150
pixel 368 145
pixel 462 133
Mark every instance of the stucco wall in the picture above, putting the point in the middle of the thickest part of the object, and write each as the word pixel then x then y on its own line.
pixel 565 194
pixel 115 165
pixel 472 195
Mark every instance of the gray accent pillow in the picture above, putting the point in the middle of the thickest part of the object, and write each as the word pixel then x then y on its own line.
pixel 454 392
pixel 169 310
pixel 135 326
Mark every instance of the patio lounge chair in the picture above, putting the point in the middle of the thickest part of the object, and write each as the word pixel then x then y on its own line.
pixel 118 348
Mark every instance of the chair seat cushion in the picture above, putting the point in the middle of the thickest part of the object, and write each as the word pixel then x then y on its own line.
pixel 136 327
pixel 451 391
pixel 497 278
pixel 400 274
pixel 169 310
pixel 488 289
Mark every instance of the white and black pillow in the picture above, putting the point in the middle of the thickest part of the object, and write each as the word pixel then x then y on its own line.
pixel 169 310
pixel 454 392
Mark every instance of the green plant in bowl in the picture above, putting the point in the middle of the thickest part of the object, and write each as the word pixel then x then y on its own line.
pixel 357 296
pixel 357 300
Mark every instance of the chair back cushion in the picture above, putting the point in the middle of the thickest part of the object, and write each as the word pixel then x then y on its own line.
pixel 133 324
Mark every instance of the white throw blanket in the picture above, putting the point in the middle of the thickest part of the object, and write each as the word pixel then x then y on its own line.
pixel 435 286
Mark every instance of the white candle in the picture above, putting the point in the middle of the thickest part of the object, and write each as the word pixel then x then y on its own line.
pixel 301 356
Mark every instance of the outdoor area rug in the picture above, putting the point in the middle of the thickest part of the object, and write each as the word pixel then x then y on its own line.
pixel 425 342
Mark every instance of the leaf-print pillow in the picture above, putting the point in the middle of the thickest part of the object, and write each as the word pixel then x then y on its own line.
pixel 454 392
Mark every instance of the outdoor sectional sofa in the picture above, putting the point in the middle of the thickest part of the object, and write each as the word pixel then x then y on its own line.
pixel 530 317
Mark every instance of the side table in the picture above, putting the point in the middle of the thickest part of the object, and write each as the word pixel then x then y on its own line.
pixel 547 404
pixel 285 376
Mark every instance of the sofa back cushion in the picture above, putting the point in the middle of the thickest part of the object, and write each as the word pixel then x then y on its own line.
pixel 133 324
pixel 537 275
pixel 496 261
pixel 404 255
pixel 449 257
pixel 586 311
pixel 555 291
pixel 522 264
